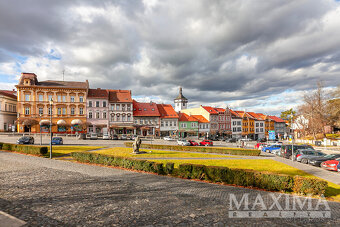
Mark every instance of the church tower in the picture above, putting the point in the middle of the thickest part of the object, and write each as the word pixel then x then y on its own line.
pixel 180 102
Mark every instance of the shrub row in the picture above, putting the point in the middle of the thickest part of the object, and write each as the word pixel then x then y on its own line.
pixel 240 177
pixel 124 162
pixel 244 177
pixel 221 150
pixel 27 149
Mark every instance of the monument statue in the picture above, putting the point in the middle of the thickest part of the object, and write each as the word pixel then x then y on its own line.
pixel 136 145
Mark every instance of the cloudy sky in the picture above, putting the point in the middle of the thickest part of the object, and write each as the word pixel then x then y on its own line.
pixel 256 55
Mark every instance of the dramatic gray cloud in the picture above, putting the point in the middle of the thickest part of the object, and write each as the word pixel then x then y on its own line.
pixel 236 53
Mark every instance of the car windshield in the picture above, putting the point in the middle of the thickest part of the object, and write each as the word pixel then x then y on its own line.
pixel 329 156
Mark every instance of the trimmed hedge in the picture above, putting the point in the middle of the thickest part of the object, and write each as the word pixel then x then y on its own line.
pixel 27 149
pixel 312 186
pixel 127 163
pixel 221 150
pixel 240 177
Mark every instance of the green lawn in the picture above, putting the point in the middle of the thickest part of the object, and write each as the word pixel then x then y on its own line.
pixel 127 152
pixel 62 150
pixel 263 165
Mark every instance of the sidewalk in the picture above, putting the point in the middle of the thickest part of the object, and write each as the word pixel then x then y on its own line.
pixel 9 220
pixel 330 176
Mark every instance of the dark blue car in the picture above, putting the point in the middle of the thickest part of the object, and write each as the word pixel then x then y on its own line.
pixel 57 140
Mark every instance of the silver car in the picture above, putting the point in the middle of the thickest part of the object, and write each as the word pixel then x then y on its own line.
pixel 307 154
pixel 183 143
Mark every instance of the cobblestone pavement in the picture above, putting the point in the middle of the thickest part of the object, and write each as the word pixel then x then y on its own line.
pixel 44 192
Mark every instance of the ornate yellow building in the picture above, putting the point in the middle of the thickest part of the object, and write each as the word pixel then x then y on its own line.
pixel 68 107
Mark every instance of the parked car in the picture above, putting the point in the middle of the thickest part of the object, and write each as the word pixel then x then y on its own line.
pixel 133 137
pixel 183 142
pixel 193 143
pixel 206 143
pixel 286 150
pixel 57 141
pixel 168 138
pixel 106 136
pixel 93 136
pixel 271 148
pixel 114 137
pixel 231 140
pixel 331 165
pixel 259 146
pixel 317 161
pixel 25 140
pixel 262 140
pixel 305 155
pixel 123 137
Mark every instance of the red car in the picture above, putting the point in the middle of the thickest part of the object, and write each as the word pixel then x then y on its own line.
pixel 331 164
pixel 257 146
pixel 206 143
pixel 193 143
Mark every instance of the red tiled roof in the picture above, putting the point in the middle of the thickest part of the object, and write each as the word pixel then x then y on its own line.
pixel 145 109
pixel 186 117
pixel 276 119
pixel 210 109
pixel 166 111
pixel 200 119
pixel 63 84
pixel 234 113
pixel 256 116
pixel 120 96
pixel 97 93
pixel 8 93
pixel 219 109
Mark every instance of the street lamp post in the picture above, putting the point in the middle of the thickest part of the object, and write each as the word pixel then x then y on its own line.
pixel 40 130
pixel 51 103
pixel 291 124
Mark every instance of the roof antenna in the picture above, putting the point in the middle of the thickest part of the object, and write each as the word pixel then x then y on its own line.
pixel 63 73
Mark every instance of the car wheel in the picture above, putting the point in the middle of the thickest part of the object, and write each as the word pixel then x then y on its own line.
pixel 304 161
pixel 267 150
pixel 338 169
pixel 206 145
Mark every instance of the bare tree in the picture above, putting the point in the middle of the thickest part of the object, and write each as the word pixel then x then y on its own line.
pixel 314 110
pixel 333 107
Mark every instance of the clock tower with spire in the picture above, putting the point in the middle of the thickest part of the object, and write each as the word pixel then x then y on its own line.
pixel 180 102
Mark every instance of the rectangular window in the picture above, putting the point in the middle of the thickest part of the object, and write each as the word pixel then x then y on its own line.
pixel 59 111
pixel 128 107
pixel 118 118
pixel 90 103
pixel 261 124
pixel 97 103
pixel 123 118
pixel 170 123
pixel 49 97
pixel 257 124
pixel 128 118
pixel 64 111
pixel 81 99
pixel 112 107
pixel 27 98
pixel 59 98
pixel 104 103
pixel 41 111
pixel 141 122
pixel 175 123
pixel 72 98
pixel 72 111
pixel 41 98
pixel 162 124
pixel 166 124
pixel 117 107
pixel 104 115
pixel 136 122
pixel 64 98
pixel 27 110
pixel 90 115
pixel 123 107
pixel 81 110
pixel 97 115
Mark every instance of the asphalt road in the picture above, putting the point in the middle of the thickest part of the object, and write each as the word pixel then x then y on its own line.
pixel 45 192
